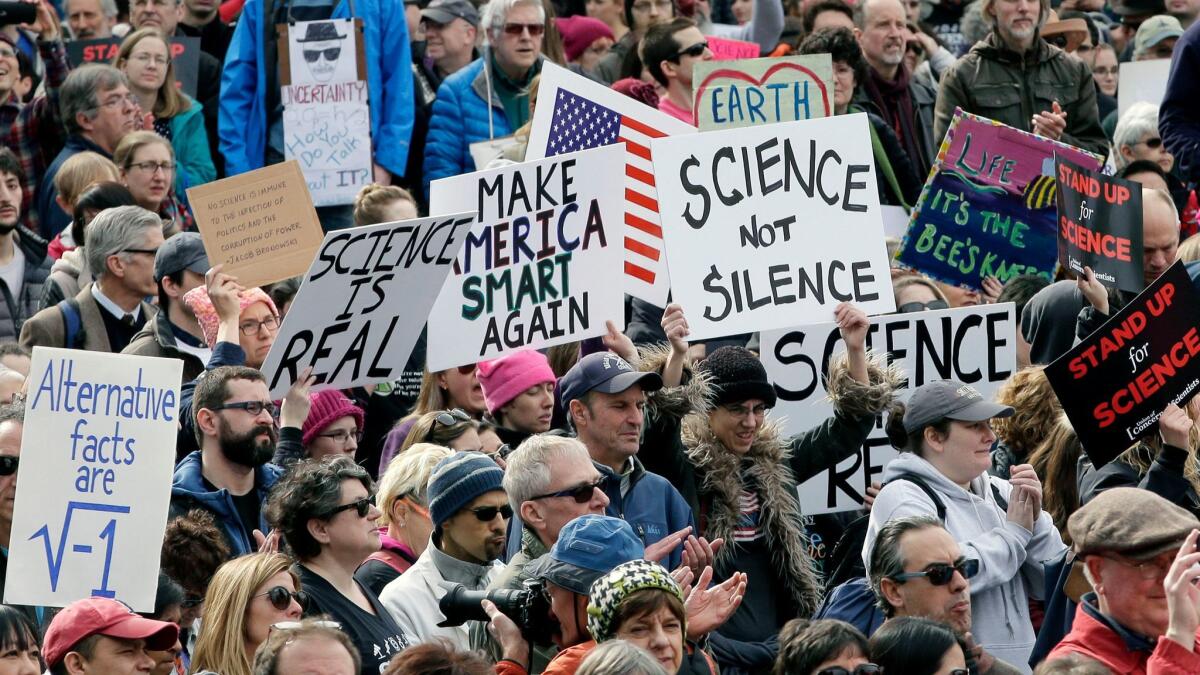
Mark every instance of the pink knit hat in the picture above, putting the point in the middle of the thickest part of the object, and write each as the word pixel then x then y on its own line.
pixel 579 32
pixel 328 406
pixel 504 379
pixel 201 305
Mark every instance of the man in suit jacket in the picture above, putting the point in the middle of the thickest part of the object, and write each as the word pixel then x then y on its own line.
pixel 104 317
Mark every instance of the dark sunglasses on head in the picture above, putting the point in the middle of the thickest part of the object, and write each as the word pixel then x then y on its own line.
pixel 582 494
pixel 487 514
pixel 860 669
pixel 940 574
pixel 922 306
pixel 361 506
pixel 449 418
pixel 695 51
pixel 281 598
pixel 331 54
pixel 8 464
pixel 515 29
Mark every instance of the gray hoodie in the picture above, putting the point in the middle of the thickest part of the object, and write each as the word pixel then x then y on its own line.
pixel 1011 557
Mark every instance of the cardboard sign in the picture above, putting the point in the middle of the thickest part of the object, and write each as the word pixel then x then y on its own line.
pixel 359 298
pixel 539 263
pixel 1115 384
pixel 726 49
pixel 769 227
pixel 734 94
pixel 185 54
pixel 988 207
pixel 327 129
pixel 975 345
pixel 95 478
pixel 261 224
pixel 567 106
pixel 1142 81
pixel 1100 225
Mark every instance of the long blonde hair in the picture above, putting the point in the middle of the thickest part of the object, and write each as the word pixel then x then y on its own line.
pixel 221 647
pixel 170 101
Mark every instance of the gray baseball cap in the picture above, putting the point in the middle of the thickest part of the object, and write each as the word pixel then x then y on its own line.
pixel 949 400
pixel 184 251
pixel 445 11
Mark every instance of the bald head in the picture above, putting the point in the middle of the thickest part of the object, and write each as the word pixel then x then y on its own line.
pixel 1160 232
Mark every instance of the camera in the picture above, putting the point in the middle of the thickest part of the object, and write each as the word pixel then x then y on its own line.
pixel 528 607
pixel 17 12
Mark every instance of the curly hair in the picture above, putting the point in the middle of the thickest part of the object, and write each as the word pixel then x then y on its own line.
pixel 1037 410
pixel 840 44
pixel 310 490
pixel 193 548
pixel 1056 460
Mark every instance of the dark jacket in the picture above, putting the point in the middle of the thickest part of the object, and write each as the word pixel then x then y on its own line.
pixel 995 82
pixel 47 328
pixel 903 185
pixel 1165 478
pixel 188 492
pixel 923 100
pixel 157 339
pixel 1178 116
pixel 21 305
pixel 51 218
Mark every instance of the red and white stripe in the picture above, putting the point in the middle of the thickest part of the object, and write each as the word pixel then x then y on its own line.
pixel 643 237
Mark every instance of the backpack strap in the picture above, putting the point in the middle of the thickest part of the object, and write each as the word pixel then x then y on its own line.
pixel 1000 500
pixel 933 496
pixel 72 322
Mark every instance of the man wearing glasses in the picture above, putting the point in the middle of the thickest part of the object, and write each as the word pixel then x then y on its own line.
pixel 104 317
pixel 670 51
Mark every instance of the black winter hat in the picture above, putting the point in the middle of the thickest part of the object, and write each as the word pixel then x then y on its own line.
pixel 738 375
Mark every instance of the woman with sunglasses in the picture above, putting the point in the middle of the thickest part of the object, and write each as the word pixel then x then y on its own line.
pixel 916 293
pixel 324 512
pixel 403 515
pixel 916 646
pixel 453 429
pixel 246 597
pixel 824 647
pixel 450 389
pixel 1136 137
pixel 945 441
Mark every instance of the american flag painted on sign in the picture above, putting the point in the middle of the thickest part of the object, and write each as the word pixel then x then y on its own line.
pixel 580 124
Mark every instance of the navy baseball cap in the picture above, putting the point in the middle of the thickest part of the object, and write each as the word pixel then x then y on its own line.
pixel 606 373
pixel 949 400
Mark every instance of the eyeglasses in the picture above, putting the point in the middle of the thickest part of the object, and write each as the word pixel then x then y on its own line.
pixel 449 418
pixel 467 369
pixel 517 29
pixel 331 54
pixel 343 436
pixel 152 167
pixel 147 57
pixel 147 251
pixel 916 48
pixel 758 411
pixel 8 464
pixel 251 328
pixel 582 494
pixel 361 506
pixel 860 669
pixel 1151 143
pixel 487 514
pixel 1105 70
pixel 1149 569
pixel 940 574
pixel 922 306
pixel 120 100
pixel 695 51
pixel 281 598
pixel 253 407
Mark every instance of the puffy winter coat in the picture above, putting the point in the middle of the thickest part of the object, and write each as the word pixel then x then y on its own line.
pixel 466 111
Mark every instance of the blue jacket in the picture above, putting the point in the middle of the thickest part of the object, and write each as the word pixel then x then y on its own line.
pixel 1178 118
pixel 460 118
pixel 243 113
pixel 188 492
pixel 192 154
pixel 652 507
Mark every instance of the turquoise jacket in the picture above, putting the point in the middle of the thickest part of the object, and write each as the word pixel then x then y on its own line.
pixel 192 154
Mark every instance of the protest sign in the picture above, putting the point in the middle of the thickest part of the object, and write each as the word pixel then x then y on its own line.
pixel 359 298
pixel 895 221
pixel 261 224
pixel 185 56
pixel 734 94
pixel 1115 384
pixel 574 113
pixel 1142 81
pixel 538 265
pixel 772 226
pixel 975 345
pixel 94 478
pixel 988 207
pixel 1100 225
pixel 727 49
pixel 323 52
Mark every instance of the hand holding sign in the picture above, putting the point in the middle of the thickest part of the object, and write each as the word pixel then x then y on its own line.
pixel 675 325
pixel 1094 291
pixel 296 404
pixel 1174 426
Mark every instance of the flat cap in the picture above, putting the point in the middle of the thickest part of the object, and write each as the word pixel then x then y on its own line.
pixel 1132 522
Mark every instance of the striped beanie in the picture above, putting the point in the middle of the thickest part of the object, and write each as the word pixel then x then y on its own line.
pixel 610 590
pixel 457 480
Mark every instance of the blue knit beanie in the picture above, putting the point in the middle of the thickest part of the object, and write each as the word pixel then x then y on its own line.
pixel 457 480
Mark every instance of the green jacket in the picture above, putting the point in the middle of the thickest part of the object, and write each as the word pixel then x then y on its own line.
pixel 995 82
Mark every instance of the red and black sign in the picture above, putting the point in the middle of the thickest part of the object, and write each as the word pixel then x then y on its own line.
pixel 1099 225
pixel 185 53
pixel 1115 384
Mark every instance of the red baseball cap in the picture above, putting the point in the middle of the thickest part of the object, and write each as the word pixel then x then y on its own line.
pixel 92 616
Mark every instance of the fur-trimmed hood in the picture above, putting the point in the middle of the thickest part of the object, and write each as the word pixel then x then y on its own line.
pixel 678 401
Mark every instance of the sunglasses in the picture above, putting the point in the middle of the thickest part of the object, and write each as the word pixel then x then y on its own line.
pixel 582 494
pixel 695 51
pixel 922 306
pixel 331 54
pixel 8 464
pixel 362 506
pixel 487 514
pixel 449 418
pixel 516 29
pixel 940 574
pixel 1152 143
pixel 860 669
pixel 467 369
pixel 281 598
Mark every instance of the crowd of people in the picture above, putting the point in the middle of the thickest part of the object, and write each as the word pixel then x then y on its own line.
pixel 628 503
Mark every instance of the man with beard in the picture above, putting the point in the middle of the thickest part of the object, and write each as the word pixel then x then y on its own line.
pixel 24 264
pixel 469 511
pixel 229 475
pixel 1015 77
pixel 174 333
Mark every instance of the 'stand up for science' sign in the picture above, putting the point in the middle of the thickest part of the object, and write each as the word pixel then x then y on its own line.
pixel 541 265
pixel 773 226
pixel 94 479
pixel 1100 225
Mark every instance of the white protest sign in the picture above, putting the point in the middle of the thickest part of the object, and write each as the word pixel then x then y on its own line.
pixel 975 345
pixel 540 266
pixel 895 221
pixel 323 52
pixel 95 478
pixel 772 226
pixel 327 128
pixel 1142 81
pixel 361 301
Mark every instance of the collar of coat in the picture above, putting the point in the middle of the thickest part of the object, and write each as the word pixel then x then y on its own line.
pixel 995 48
